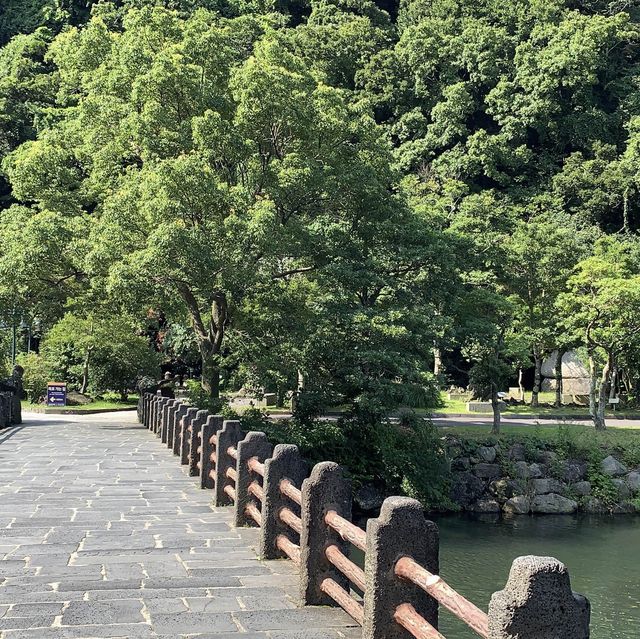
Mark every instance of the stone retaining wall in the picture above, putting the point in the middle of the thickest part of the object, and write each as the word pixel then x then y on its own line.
pixel 518 481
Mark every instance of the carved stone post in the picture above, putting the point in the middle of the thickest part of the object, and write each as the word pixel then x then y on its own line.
pixel 326 489
pixel 229 436
pixel 185 435
pixel 286 463
pixel 154 413
pixel 177 413
pixel 208 454
pixel 400 530
pixel 163 403
pixel 254 445
pixel 194 444
pixel 538 603
pixel 167 416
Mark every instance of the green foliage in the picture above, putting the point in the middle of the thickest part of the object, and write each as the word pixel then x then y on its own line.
pixel 36 376
pixel 98 354
pixel 198 397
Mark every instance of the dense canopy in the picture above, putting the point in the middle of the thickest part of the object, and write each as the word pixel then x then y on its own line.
pixel 360 202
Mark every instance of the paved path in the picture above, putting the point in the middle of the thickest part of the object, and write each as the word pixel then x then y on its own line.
pixel 102 534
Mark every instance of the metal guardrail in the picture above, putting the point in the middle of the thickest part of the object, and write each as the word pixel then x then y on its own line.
pixel 306 517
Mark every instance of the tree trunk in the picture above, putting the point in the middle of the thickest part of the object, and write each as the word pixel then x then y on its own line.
pixel 437 361
pixel 495 405
pixel 558 374
pixel 210 373
pixel 521 384
pixel 605 380
pixel 593 384
pixel 537 378
pixel 85 373
pixel 209 336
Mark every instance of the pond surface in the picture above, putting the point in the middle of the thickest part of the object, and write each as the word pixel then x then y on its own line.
pixel 601 553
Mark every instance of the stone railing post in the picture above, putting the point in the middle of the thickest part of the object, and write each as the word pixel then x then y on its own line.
pixel 208 453
pixel 151 408
pixel 285 463
pixel 167 416
pixel 256 445
pixel 194 441
pixel 177 413
pixel 400 530
pixel 185 435
pixel 324 490
pixel 139 408
pixel 163 403
pixel 538 603
pixel 230 435
pixel 144 397
pixel 157 408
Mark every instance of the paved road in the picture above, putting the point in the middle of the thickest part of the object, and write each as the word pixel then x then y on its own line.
pixel 102 534
pixel 486 420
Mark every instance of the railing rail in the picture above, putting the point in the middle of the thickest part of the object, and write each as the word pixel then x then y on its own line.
pixel 308 520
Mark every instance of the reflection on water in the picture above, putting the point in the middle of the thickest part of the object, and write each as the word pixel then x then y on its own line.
pixel 602 554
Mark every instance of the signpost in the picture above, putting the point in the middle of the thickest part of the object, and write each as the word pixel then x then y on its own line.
pixel 56 394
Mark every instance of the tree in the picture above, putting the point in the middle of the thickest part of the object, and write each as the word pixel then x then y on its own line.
pixel 98 353
pixel 541 253
pixel 602 308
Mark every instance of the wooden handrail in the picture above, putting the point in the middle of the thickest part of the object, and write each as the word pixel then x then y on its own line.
pixel 407 616
pixel 213 439
pixel 256 490
pixel 232 474
pixel 291 519
pixel 353 573
pixel 444 594
pixel 232 451
pixel 343 599
pixel 289 548
pixel 256 466
pixel 348 531
pixel 230 492
pixel 290 491
pixel 254 513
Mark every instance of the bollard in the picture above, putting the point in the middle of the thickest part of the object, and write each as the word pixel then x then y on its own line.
pixel 195 432
pixel 326 489
pixel 537 603
pixel 254 445
pixel 228 436
pixel 140 408
pixel 178 412
pixel 286 463
pixel 185 435
pixel 400 530
pixel 207 456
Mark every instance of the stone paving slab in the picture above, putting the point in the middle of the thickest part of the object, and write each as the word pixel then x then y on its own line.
pixel 102 535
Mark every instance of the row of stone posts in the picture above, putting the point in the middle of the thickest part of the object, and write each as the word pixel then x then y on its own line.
pixel 305 515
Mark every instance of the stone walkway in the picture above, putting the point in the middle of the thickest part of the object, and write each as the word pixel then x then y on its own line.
pixel 102 534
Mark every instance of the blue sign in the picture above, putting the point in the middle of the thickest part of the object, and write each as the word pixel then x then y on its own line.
pixel 56 394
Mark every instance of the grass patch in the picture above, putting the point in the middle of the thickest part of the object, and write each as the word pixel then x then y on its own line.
pixel 569 440
pixel 100 404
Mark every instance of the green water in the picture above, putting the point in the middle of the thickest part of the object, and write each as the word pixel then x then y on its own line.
pixel 602 554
